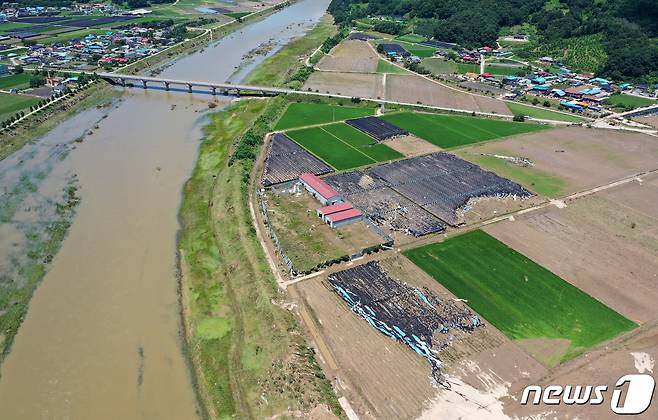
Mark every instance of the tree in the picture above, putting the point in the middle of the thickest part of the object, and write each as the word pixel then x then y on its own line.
pixel 37 81
pixel 547 104
pixel 18 69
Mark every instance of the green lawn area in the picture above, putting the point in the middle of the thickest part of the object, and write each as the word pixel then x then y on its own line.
pixel 384 66
pixel 448 131
pixel 411 38
pixel 530 177
pixel 518 296
pixel 11 104
pixel 342 146
pixel 15 81
pixel 628 101
pixel 303 114
pixel 546 114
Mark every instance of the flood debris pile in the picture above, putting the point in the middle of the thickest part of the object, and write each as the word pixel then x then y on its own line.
pixel 384 206
pixel 413 316
pixel 286 161
pixel 515 160
pixel 378 128
pixel 421 195
pixel 442 183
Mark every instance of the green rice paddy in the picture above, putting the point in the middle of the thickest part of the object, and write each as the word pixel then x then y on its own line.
pixel 15 81
pixel 518 296
pixel 628 101
pixel 11 104
pixel 448 131
pixel 303 114
pixel 343 146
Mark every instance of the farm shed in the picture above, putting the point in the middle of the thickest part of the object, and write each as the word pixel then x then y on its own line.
pixel 320 189
pixel 332 209
pixel 344 217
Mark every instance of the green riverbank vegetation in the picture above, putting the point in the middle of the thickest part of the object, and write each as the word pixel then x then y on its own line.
pixel 249 353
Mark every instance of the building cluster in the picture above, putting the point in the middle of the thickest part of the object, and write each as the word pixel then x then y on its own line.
pixel 14 10
pixel 336 212
pixel 114 48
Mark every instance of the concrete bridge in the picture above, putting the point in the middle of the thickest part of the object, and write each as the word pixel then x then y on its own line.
pixel 214 88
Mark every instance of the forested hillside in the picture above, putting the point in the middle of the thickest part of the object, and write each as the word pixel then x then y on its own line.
pixel 620 36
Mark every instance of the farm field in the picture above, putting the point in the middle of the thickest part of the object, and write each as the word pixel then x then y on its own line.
pixel 384 66
pixel 418 50
pixel 411 146
pixel 307 240
pixel 628 101
pixel 354 84
pixel 350 55
pixel 544 114
pixel 534 179
pixel 384 378
pixel 604 244
pixel 11 104
pixel 442 66
pixel 416 89
pixel 342 146
pixel 302 114
pixel 567 160
pixel 448 131
pixel 15 81
pixel 552 319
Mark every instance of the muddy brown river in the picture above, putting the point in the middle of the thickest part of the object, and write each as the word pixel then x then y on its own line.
pixel 101 339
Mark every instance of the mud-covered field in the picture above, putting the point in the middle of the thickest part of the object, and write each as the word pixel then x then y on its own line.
pixel 352 84
pixel 574 158
pixel 605 244
pixel 350 56
pixel 416 89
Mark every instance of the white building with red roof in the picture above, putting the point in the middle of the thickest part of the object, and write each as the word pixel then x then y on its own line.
pixel 322 191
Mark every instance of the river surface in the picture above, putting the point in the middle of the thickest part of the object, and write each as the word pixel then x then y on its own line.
pixel 101 339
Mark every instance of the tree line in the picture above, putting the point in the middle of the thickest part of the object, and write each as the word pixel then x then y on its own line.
pixel 628 28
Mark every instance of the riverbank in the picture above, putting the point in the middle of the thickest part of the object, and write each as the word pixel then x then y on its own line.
pixel 248 351
pixel 37 125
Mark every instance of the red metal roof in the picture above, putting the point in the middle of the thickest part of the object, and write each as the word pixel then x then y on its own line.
pixel 319 185
pixel 335 208
pixel 344 215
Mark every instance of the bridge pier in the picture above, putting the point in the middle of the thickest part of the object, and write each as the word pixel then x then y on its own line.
pixel 166 86
pixel 214 91
pixel 189 88
pixel 144 84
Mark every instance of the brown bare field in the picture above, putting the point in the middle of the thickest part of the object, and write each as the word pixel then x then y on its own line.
pixel 352 84
pixel 306 239
pixel 411 146
pixel 385 379
pixel 416 89
pixel 605 244
pixel 350 56
pixel 652 120
pixel 635 352
pixel 583 158
pixel 480 209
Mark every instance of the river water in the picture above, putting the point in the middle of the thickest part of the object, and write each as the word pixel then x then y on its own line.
pixel 101 339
